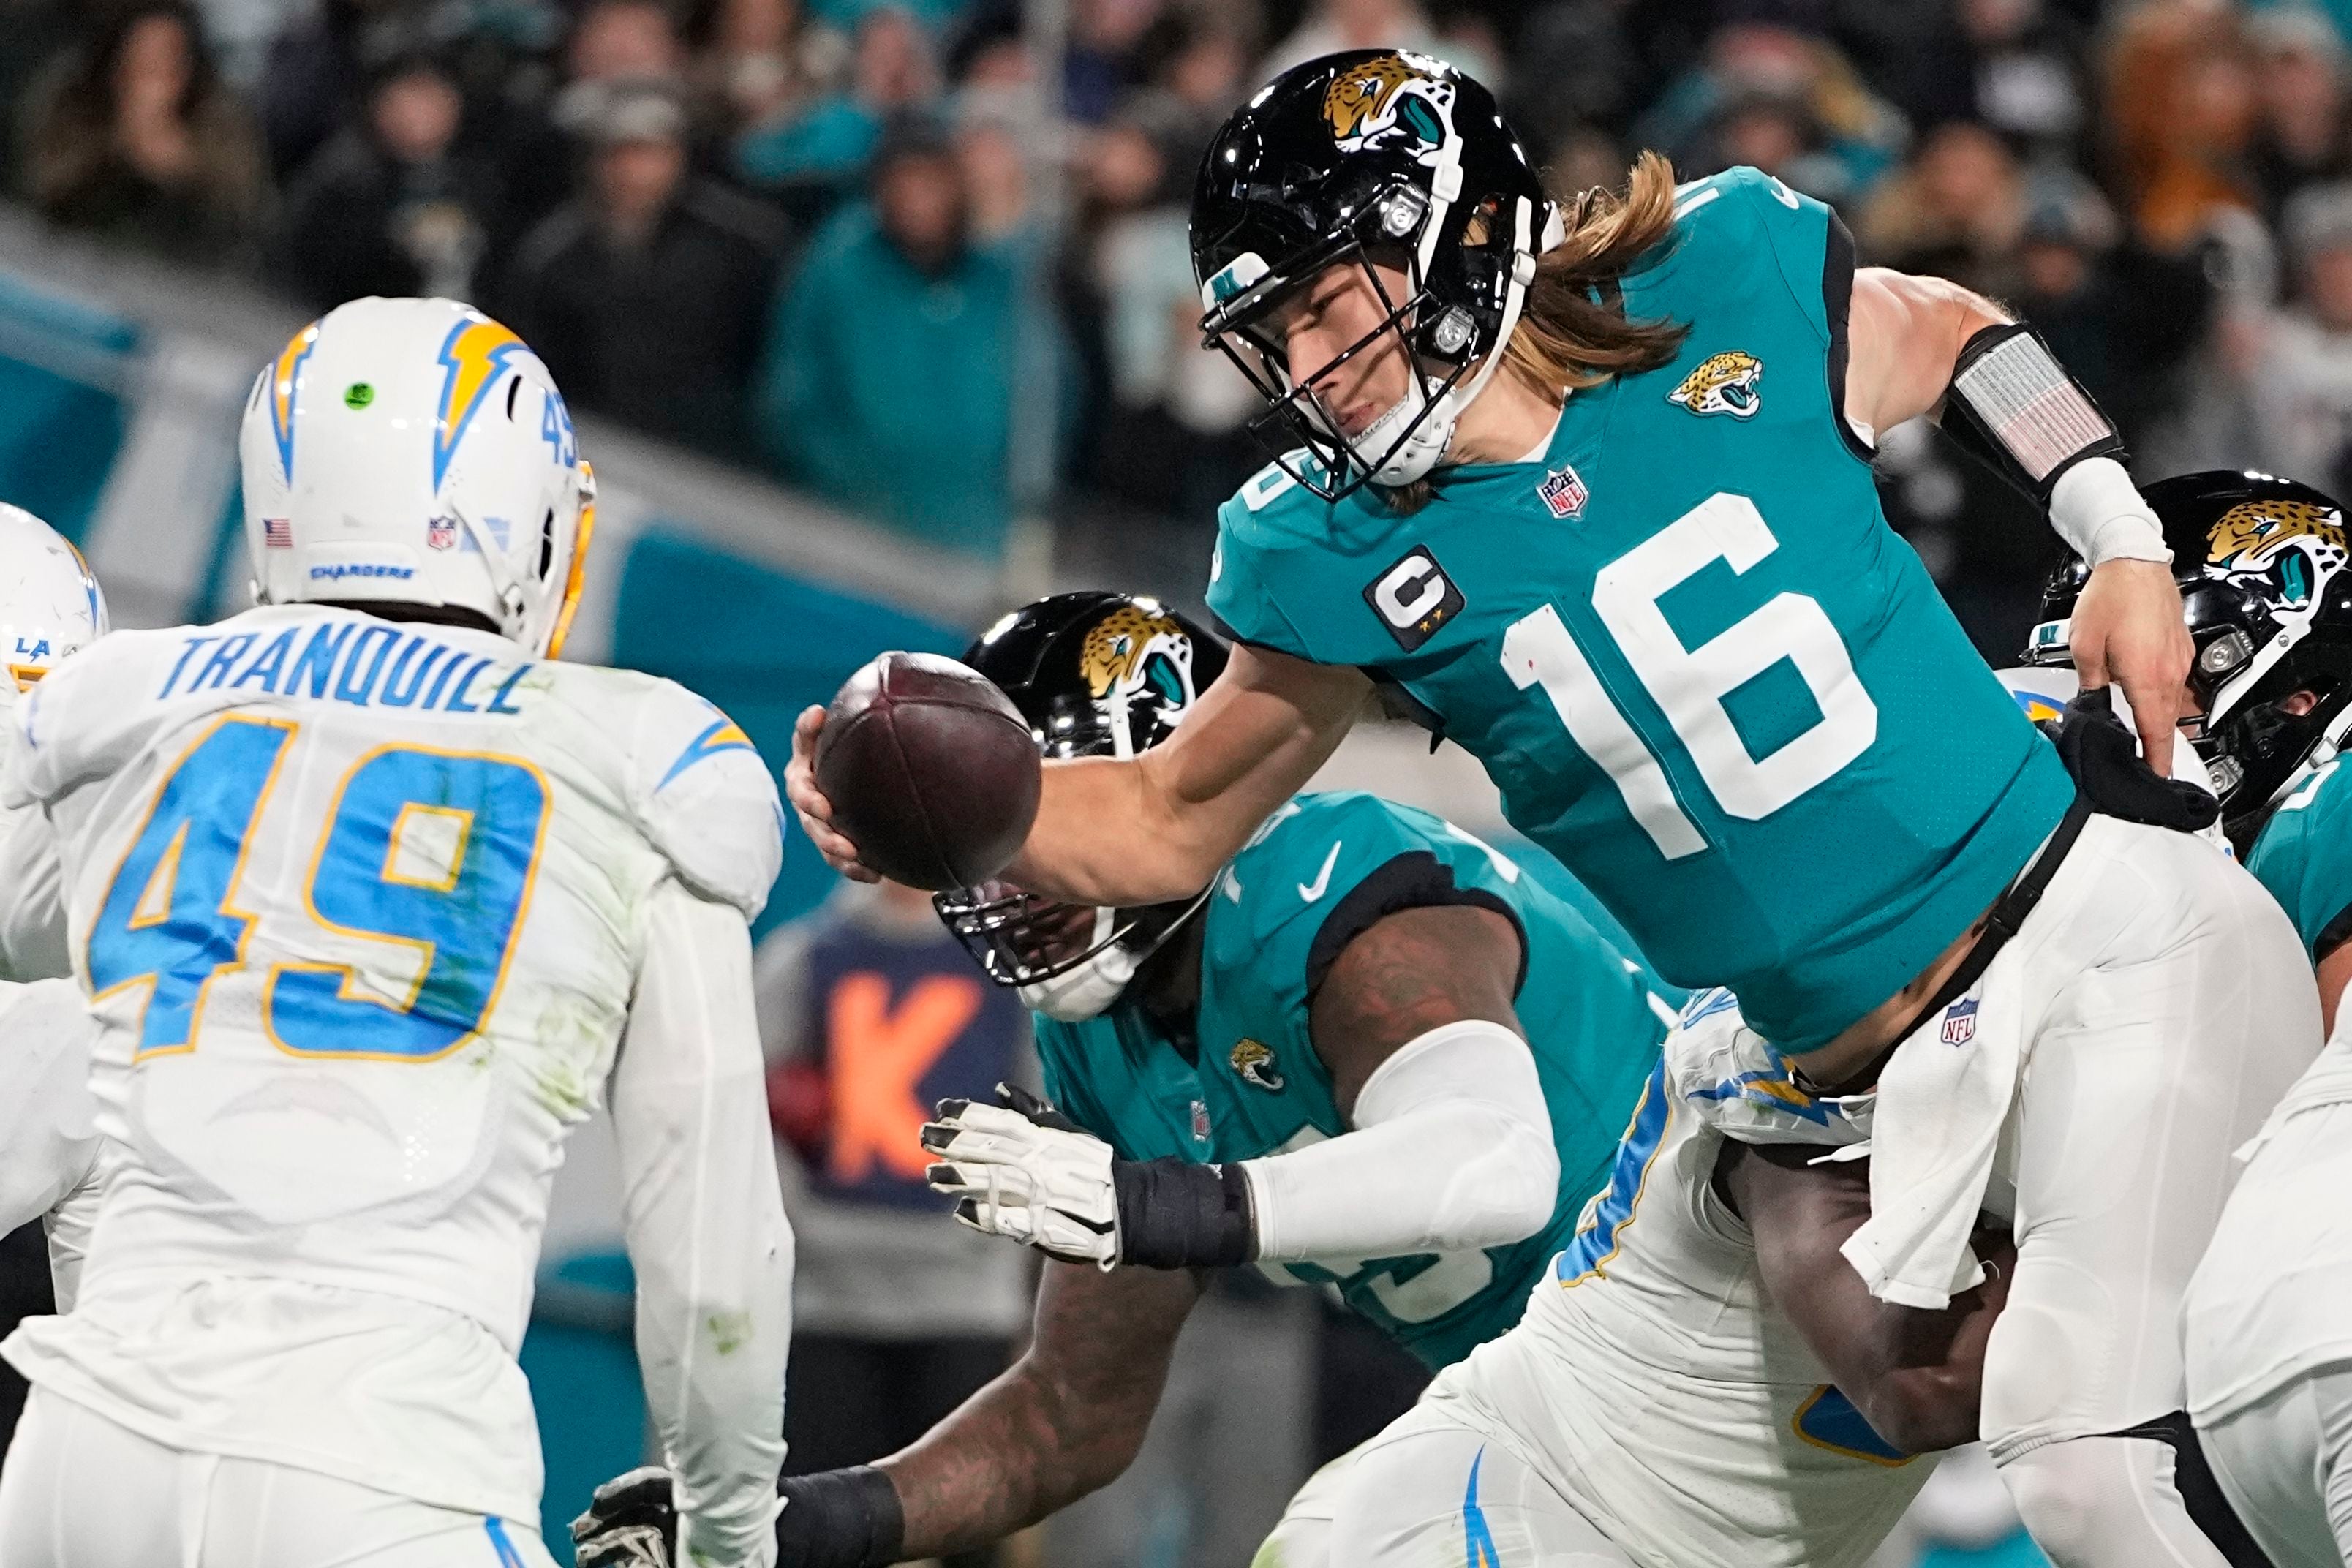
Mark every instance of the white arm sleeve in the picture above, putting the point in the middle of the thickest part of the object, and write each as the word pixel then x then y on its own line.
pixel 48 1145
pixel 705 1226
pixel 33 910
pixel 32 884
pixel 1452 1151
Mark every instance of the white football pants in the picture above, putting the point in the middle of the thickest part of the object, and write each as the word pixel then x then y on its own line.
pixel 1302 1538
pixel 1430 1517
pixel 1429 1489
pixel 2286 1462
pixel 80 1490
pixel 2173 1007
pixel 2272 1309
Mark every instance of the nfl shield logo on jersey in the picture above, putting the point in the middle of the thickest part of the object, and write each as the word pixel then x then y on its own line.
pixel 1564 492
pixel 1961 1022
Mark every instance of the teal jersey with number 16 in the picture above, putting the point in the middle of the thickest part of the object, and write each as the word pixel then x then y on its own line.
pixel 1703 671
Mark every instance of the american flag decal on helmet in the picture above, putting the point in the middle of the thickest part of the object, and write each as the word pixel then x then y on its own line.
pixel 277 532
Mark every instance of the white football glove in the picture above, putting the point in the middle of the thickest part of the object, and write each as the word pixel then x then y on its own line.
pixel 1025 1171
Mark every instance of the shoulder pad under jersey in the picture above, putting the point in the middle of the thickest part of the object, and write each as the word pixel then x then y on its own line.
pixel 87 716
pixel 1271 514
pixel 1733 1079
pixel 709 801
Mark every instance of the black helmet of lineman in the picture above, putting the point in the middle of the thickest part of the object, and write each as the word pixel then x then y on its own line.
pixel 1370 155
pixel 1096 674
pixel 2260 564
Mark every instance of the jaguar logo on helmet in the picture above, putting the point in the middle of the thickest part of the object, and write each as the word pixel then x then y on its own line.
pixel 1138 648
pixel 1398 100
pixel 2291 545
pixel 1723 383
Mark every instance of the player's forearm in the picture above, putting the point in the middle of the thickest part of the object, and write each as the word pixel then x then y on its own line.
pixel 1067 1419
pixel 1914 1376
pixel 1106 836
pixel 713 1362
pixel 1928 1392
pixel 705 1225
pixel 2334 972
pixel 1157 827
pixel 1018 1451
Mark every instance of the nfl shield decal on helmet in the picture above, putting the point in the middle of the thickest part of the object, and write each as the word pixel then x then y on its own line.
pixel 1961 1022
pixel 1564 492
pixel 441 533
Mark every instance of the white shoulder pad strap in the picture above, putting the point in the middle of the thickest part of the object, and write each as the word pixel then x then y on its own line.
pixel 1732 1079
pixel 709 801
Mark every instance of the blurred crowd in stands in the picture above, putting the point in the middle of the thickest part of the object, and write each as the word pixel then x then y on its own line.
pixel 927 258
pixel 885 247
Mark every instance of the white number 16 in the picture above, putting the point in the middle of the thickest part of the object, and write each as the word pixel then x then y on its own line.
pixel 1689 684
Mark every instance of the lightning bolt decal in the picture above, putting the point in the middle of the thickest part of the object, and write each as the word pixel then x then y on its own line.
pixel 283 376
pixel 473 358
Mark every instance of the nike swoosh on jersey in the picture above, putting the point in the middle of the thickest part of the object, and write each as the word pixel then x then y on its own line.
pixel 1310 891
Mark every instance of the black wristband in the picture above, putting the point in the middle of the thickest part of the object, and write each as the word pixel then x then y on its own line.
pixel 1173 1214
pixel 840 1518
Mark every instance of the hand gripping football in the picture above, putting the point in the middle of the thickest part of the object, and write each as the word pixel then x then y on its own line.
pixel 931 771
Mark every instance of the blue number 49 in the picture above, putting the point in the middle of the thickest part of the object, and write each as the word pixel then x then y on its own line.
pixel 430 854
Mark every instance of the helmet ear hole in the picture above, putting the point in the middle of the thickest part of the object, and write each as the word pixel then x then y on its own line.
pixel 547 544
pixel 514 385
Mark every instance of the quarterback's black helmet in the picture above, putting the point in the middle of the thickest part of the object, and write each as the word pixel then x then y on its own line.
pixel 2261 564
pixel 1369 153
pixel 1096 674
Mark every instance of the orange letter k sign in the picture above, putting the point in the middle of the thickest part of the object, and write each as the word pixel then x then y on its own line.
pixel 877 1056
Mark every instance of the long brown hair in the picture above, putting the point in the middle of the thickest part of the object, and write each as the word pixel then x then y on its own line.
pixel 1566 337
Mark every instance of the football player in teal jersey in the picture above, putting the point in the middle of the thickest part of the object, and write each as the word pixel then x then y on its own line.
pixel 1360 969
pixel 1371 1054
pixel 2268 602
pixel 1593 490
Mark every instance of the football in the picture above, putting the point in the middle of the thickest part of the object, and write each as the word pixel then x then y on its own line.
pixel 931 771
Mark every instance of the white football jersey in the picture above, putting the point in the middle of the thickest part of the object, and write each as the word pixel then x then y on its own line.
pixel 362 909
pixel 1653 1382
